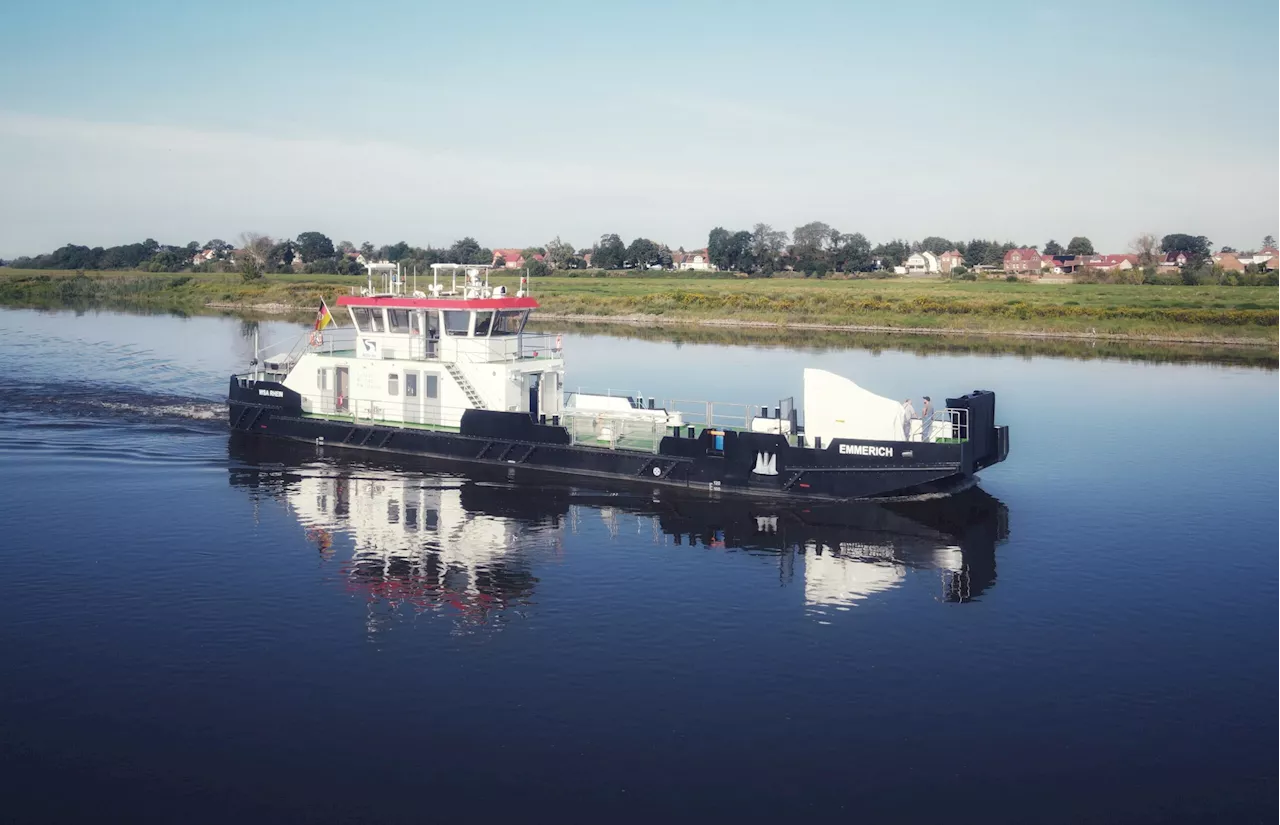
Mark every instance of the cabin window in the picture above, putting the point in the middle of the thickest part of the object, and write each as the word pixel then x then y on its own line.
pixel 399 319
pixel 410 385
pixel 321 383
pixel 375 317
pixel 484 320
pixel 433 386
pixel 361 316
pixel 393 384
pixel 509 322
pixel 457 321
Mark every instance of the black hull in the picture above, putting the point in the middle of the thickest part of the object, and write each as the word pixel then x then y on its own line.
pixel 752 464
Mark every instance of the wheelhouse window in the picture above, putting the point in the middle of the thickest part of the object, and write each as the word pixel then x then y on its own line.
pixel 415 323
pixel 361 316
pixel 509 321
pixel 399 319
pixel 457 321
pixel 375 316
pixel 393 384
pixel 484 320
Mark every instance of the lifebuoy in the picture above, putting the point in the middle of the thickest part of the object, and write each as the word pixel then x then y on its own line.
pixel 559 342
pixel 317 338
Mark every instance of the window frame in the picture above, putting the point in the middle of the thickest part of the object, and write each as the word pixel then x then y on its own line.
pixel 394 314
pixel 452 315
pixel 357 313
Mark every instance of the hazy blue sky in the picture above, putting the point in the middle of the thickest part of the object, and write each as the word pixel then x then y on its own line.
pixel 517 122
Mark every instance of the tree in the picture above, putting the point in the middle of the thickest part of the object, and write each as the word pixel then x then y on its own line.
pixel 1080 245
pixel 467 251
pixel 258 247
pixel 280 257
pixel 767 244
pixel 891 254
pixel 367 250
pixel 610 253
pixel 815 236
pixel 1145 246
pixel 1196 247
pixel 535 267
pixel 312 246
pixel 642 253
pixel 717 247
pixel 1269 242
pixel 936 245
pixel 560 254
pixel 1053 248
pixel 1227 249
pixel 739 247
pixel 344 247
pixel 852 253
pixel 249 268
pixel 396 252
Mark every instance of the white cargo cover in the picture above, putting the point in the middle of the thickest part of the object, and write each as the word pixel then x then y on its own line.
pixel 835 407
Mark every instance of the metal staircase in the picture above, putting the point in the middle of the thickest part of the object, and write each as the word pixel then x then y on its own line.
pixel 472 395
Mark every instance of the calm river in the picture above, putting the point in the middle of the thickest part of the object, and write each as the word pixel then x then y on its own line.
pixel 195 629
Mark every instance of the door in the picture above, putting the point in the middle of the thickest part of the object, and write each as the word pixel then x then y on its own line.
pixel 412 412
pixel 430 398
pixel 327 390
pixel 342 390
pixel 535 390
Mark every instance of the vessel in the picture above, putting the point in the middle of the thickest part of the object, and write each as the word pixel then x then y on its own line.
pixel 450 372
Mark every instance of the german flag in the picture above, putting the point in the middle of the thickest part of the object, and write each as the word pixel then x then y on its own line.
pixel 323 316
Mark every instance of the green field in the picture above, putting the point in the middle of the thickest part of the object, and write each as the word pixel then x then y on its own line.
pixel 1179 313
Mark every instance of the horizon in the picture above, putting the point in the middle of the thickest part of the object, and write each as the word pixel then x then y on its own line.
pixel 659 121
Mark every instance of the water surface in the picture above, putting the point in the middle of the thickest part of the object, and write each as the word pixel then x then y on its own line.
pixel 199 628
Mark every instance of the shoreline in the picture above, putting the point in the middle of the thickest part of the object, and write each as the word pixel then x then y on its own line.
pixel 729 323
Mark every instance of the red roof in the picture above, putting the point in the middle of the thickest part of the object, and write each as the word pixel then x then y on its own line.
pixel 953 253
pixel 398 301
pixel 1111 260
pixel 1023 254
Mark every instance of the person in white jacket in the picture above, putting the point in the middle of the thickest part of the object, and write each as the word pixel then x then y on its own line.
pixel 908 413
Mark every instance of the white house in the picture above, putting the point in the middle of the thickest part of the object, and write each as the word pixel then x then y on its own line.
pixel 923 263
pixel 697 260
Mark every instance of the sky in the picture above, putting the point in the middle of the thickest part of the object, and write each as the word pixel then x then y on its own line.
pixel 518 122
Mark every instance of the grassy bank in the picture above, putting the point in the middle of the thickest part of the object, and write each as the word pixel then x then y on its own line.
pixel 1222 314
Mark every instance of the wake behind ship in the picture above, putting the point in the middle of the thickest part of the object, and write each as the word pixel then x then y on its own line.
pixel 450 373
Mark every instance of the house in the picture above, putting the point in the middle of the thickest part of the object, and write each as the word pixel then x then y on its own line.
pixel 950 260
pixel 697 260
pixel 1050 264
pixel 1229 261
pixel 203 256
pixel 1259 258
pixel 923 263
pixel 1024 260
pixel 1174 260
pixel 512 258
pixel 1107 263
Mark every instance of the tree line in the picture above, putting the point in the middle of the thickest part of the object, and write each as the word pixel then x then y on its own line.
pixel 816 248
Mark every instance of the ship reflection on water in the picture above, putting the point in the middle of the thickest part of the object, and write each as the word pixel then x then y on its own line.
pixel 423 541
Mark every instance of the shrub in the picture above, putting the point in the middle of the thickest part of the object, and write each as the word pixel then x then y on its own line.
pixel 969 276
pixel 1011 278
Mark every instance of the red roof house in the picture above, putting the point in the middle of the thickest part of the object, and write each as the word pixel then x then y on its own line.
pixel 1026 259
